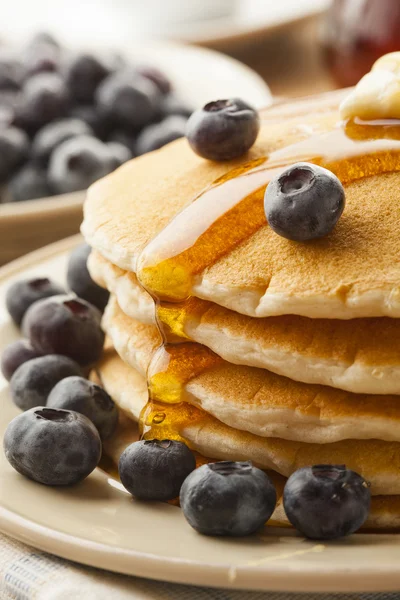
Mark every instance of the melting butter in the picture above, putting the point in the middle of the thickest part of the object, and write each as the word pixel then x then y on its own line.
pixel 377 94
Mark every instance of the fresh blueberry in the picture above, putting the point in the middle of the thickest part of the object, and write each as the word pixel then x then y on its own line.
pixel 53 134
pixel 44 98
pixel 326 502
pixel 6 113
pixel 80 282
pixel 123 137
pixel 83 75
pixel 41 57
pixel 97 122
pixel 120 153
pixel 129 100
pixel 304 202
pixel 228 498
pixel 14 355
pixel 65 325
pixel 89 399
pixel 79 162
pixel 155 469
pixel 172 105
pixel 52 447
pixel 21 294
pixel 28 183
pixel 14 148
pixel 11 71
pixel 223 130
pixel 159 134
pixel 8 104
pixel 33 381
pixel 157 77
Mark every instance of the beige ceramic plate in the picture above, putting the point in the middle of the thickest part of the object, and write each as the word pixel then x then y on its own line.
pixel 199 75
pixel 98 524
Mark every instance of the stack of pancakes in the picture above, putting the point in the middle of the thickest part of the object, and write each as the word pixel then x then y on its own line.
pixel 285 353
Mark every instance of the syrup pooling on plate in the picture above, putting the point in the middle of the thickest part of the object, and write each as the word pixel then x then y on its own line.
pixel 226 214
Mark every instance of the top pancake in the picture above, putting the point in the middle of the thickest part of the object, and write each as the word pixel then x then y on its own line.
pixel 353 272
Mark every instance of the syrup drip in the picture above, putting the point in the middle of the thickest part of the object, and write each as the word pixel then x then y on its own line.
pixel 223 216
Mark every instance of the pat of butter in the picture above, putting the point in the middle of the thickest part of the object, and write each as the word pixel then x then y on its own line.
pixel 377 94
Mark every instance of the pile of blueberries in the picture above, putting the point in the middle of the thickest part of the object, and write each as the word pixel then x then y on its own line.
pixel 57 440
pixel 67 120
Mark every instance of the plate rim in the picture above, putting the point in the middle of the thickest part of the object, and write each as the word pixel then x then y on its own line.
pixel 262 575
pixel 174 570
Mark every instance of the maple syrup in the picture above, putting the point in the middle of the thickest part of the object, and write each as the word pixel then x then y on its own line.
pixel 224 215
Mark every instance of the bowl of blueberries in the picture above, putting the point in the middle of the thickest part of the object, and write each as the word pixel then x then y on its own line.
pixel 68 118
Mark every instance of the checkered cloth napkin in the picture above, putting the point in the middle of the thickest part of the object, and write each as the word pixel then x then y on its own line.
pixel 27 574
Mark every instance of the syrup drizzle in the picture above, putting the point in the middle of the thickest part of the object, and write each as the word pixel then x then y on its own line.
pixel 223 216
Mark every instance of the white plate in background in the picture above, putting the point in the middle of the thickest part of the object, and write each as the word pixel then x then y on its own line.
pixel 125 21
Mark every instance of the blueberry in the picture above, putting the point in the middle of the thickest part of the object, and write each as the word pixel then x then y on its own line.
pixel 129 100
pixel 228 498
pixel 304 202
pixel 14 355
pixel 33 381
pixel 83 75
pixel 98 122
pixel 11 71
pixel 44 99
pixel 65 325
pixel 52 447
pixel 223 130
pixel 28 183
pixel 326 502
pixel 8 100
pixel 172 105
pixel 41 57
pixel 77 163
pixel 123 137
pixel 53 134
pixel 155 469
pixel 83 396
pixel 159 134
pixel 79 280
pixel 157 77
pixel 21 294
pixel 6 109
pixel 119 152
pixel 14 148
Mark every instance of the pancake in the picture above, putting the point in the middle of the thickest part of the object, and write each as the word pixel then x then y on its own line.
pixel 263 403
pixel 359 355
pixel 379 462
pixel 384 513
pixel 353 272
